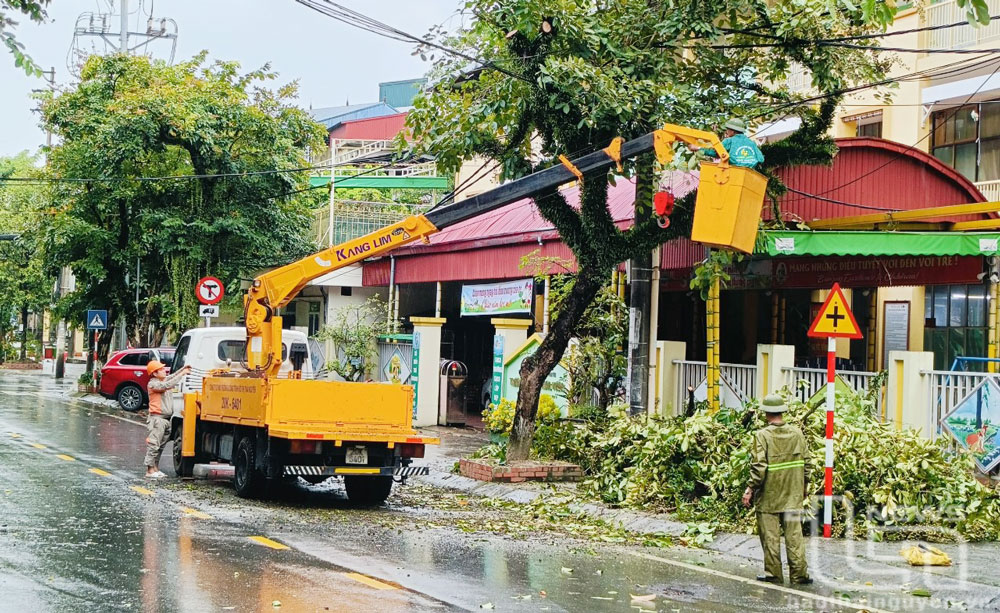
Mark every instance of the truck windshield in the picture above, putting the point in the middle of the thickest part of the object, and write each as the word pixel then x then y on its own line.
pixel 182 349
pixel 236 351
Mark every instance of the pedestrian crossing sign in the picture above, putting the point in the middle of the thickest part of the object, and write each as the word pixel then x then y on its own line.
pixel 97 320
pixel 835 318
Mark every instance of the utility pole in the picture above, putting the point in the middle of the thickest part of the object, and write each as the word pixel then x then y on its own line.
pixel 640 291
pixel 123 35
pixel 640 272
pixel 60 348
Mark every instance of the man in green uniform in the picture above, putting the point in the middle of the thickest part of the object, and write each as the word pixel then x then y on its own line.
pixel 742 150
pixel 778 483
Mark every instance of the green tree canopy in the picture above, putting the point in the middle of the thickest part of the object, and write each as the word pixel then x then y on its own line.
pixel 26 282
pixel 130 119
pixel 534 79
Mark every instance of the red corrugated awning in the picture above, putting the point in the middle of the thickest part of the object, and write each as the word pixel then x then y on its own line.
pixel 491 245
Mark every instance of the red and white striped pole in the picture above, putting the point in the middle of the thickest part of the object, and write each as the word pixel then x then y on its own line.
pixel 831 366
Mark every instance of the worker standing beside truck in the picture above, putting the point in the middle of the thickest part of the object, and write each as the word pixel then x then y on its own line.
pixel 160 410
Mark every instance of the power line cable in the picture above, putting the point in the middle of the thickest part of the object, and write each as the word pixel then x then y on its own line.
pixel 868 207
pixel 42 180
pixel 861 36
pixel 360 20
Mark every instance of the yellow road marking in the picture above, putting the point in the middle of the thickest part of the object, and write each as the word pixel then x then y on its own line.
pixel 195 513
pixel 761 584
pixel 68 458
pixel 141 490
pixel 98 471
pixel 375 583
pixel 263 540
pixel 38 446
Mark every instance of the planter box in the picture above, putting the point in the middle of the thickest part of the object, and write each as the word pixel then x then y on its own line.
pixel 86 389
pixel 21 366
pixel 530 470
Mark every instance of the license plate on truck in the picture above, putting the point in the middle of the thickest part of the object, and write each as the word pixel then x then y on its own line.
pixel 357 455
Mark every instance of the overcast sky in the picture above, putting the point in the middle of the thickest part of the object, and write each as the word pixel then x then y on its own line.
pixel 332 61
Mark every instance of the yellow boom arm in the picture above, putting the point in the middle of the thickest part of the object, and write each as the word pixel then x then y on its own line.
pixel 274 289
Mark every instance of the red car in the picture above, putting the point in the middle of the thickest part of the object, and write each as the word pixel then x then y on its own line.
pixel 124 377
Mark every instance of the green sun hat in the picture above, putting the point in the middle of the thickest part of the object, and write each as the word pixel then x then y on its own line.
pixel 773 403
pixel 736 125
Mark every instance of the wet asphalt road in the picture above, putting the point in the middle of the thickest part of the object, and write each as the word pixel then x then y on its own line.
pixel 80 530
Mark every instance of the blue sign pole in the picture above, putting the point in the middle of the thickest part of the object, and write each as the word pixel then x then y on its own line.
pixel 497 389
pixel 415 369
pixel 97 319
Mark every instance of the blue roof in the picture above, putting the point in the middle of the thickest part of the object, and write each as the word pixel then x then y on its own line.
pixel 333 116
pixel 400 93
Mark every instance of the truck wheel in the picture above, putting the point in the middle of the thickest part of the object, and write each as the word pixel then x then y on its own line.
pixel 184 467
pixel 129 397
pixel 248 480
pixel 368 491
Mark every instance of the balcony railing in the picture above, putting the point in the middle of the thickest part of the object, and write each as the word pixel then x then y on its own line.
pixel 990 189
pixel 943 13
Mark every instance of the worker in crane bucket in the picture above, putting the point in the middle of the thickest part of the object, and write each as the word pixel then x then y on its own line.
pixel 160 409
pixel 742 150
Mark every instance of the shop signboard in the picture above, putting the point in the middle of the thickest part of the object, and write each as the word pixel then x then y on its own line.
pixel 556 385
pixel 497 298
pixel 975 424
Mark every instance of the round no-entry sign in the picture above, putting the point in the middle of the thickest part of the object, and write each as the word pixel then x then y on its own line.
pixel 209 290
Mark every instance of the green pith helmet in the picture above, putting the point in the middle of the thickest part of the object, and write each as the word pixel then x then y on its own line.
pixel 773 403
pixel 736 125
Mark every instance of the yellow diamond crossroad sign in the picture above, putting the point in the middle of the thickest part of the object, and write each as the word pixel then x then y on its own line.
pixel 835 318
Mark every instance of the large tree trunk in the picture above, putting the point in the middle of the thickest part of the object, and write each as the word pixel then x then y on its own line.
pixel 24 332
pixel 537 367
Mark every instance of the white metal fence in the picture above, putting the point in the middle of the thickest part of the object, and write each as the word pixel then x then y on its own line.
pixel 858 380
pixel 990 190
pixel 741 377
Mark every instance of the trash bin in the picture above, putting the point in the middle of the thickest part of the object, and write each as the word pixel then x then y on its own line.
pixel 452 399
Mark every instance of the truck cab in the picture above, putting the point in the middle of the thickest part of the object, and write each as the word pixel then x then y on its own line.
pixel 207 349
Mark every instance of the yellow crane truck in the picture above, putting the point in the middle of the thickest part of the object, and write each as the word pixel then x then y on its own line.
pixel 271 427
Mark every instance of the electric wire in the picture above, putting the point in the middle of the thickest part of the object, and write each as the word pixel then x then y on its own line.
pixel 42 180
pixel 360 20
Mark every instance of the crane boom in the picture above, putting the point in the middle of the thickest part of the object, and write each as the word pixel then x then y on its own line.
pixel 276 288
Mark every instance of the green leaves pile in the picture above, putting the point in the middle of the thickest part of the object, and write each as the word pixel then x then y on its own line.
pixel 901 485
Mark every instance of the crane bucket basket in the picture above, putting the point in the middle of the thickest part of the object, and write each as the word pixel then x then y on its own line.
pixel 727 209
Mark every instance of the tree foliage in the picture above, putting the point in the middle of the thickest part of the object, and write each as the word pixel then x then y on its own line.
pixel 540 78
pixel 131 118
pixel 25 280
pixel 354 332
pixel 33 10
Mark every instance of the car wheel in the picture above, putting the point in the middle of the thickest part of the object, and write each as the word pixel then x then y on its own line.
pixel 367 491
pixel 249 481
pixel 129 397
